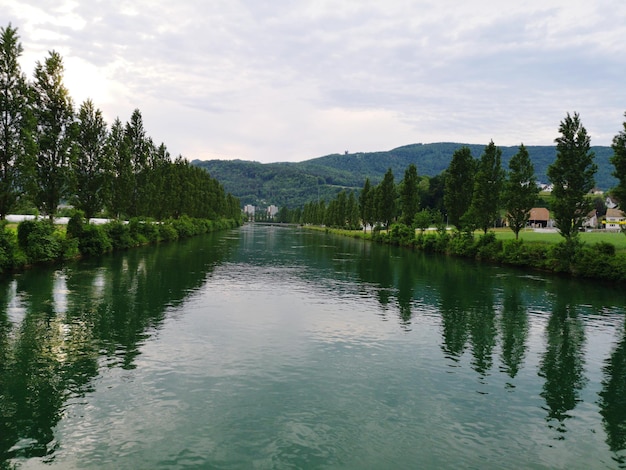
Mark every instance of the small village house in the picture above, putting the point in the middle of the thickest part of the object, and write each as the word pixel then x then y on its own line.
pixel 614 219
pixel 539 217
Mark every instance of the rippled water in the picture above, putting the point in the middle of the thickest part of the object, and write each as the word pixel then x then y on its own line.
pixel 271 347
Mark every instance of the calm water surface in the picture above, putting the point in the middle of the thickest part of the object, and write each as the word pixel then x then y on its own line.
pixel 271 347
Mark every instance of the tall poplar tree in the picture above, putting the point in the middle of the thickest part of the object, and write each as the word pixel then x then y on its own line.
pixel 386 199
pixel 157 182
pixel 90 164
pixel 53 136
pixel 520 190
pixel 488 181
pixel 572 177
pixel 352 211
pixel 120 191
pixel 15 122
pixel 409 195
pixel 459 185
pixel 366 204
pixel 138 146
pixel 619 162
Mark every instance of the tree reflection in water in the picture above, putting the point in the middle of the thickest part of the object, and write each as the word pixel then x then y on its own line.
pixel 613 401
pixel 76 317
pixel 562 365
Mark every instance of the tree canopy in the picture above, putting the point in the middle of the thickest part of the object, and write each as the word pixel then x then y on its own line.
pixel 572 176
pixel 619 162
pixel 520 190
pixel 50 154
pixel 488 180
pixel 459 185
pixel 16 124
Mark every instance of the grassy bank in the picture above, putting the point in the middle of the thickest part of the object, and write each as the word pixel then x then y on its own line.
pixel 34 242
pixel 617 239
pixel 594 255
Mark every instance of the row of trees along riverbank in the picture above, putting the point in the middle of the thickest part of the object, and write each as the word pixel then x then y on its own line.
pixel 39 241
pixel 477 194
pixel 51 153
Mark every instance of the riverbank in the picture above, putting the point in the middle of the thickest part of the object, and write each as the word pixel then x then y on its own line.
pixel 600 260
pixel 38 241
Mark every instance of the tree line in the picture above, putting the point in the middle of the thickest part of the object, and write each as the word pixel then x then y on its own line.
pixel 50 153
pixel 477 193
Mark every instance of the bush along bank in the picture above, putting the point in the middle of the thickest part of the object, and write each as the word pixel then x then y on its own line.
pixel 39 241
pixel 598 261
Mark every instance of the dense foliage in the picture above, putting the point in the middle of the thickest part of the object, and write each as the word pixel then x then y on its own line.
pixel 619 162
pixel 488 181
pixel 15 120
pixel 572 176
pixel 459 186
pixel 40 241
pixel 520 190
pixel 598 261
pixel 50 154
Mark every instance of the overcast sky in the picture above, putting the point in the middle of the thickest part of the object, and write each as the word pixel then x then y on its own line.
pixel 290 80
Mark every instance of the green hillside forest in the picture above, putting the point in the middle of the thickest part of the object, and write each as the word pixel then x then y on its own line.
pixel 294 184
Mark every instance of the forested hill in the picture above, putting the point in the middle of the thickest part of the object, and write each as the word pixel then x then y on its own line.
pixel 293 184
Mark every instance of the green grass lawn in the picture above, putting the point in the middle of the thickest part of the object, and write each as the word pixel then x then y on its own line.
pixel 616 238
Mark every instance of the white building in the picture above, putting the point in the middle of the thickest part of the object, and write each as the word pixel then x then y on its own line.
pixel 249 209
pixel 272 210
pixel 614 219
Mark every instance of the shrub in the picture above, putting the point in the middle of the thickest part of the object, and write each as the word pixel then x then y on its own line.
pixel 401 234
pixel 69 247
pixel 39 240
pixel 167 232
pixel 119 234
pixel 24 229
pixel 8 248
pixel 183 227
pixel 561 256
pixel 462 244
pixel 146 228
pixel 604 248
pixel 489 248
pixel 94 241
pixel 75 225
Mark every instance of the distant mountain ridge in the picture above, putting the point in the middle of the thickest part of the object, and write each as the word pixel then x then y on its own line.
pixel 294 184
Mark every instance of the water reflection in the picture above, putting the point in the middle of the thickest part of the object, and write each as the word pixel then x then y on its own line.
pixel 60 328
pixel 65 323
pixel 514 331
pixel 613 400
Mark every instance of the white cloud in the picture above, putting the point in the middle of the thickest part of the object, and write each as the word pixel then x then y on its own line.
pixel 285 80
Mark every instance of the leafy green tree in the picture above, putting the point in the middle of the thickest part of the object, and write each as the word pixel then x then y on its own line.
pixel 283 215
pixel 386 199
pixel 366 204
pixel 488 182
pixel 159 161
pixel 90 165
pixel 434 189
pixel 409 195
pixel 572 177
pixel 459 185
pixel 423 219
pixel 352 211
pixel 15 121
pixel 120 191
pixel 342 203
pixel 619 162
pixel 520 190
pixel 55 116
pixel 138 146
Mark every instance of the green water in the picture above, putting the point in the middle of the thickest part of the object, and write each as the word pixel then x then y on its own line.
pixel 270 347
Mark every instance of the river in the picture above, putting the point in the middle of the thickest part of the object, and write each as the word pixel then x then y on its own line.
pixel 269 347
